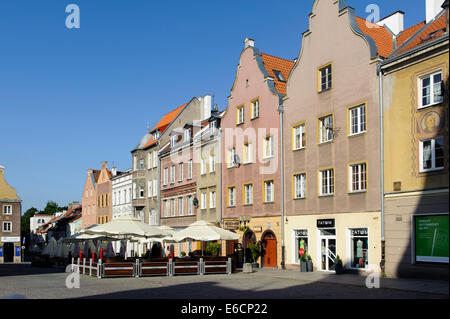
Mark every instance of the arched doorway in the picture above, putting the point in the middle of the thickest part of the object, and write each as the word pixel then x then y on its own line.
pixel 269 249
pixel 248 238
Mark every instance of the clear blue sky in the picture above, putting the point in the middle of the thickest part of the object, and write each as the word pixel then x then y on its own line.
pixel 70 99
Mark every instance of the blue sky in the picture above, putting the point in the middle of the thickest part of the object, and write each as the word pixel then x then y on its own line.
pixel 72 98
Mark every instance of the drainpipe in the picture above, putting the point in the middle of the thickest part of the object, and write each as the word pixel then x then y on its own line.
pixel 380 80
pixel 220 177
pixel 281 111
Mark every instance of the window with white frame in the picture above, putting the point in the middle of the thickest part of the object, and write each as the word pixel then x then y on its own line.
pixel 357 119
pixel 150 188
pixel 141 164
pixel 135 162
pixel 150 164
pixel 153 218
pixel 203 166
pixel 155 158
pixel 248 194
pixel 232 196
pixel 431 154
pixel 255 109
pixel 166 176
pixel 358 177
pixel 212 163
pixel 212 199
pixel 141 192
pixel 326 182
pixel 155 187
pixel 231 156
pixel 173 141
pixel 268 146
pixel 172 174
pixel 180 172
pixel 172 207
pixel 326 129
pixel 7 209
pixel 190 211
pixel 299 138
pixel 301 244
pixel 248 158
pixel 268 191
pixel 213 126
pixel 299 186
pixel 166 208
pixel 134 191
pixel 187 135
pixel 430 89
pixel 240 115
pixel 325 78
pixel 189 172
pixel 359 246
pixel 180 206
pixel 203 201
pixel 7 226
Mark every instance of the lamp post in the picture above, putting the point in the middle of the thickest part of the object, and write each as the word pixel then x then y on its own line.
pixel 244 220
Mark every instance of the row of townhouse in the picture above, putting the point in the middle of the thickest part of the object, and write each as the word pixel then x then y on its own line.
pixel 341 152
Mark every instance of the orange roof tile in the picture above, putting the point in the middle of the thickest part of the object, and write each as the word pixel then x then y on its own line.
pixel 272 63
pixel 407 33
pixel 382 37
pixel 434 30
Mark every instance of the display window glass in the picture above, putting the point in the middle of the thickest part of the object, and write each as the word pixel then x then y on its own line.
pixel 359 245
pixel 301 243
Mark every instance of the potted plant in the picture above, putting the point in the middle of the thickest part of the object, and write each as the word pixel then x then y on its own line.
pixel 255 249
pixel 183 254
pixel 339 268
pixel 304 263
pixel 309 263
pixel 213 248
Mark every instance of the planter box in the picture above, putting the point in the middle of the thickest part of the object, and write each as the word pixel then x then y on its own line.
pixel 310 266
pixel 304 267
pixel 339 269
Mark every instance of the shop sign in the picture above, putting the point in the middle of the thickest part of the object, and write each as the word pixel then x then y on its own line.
pixel 231 224
pixel 1 251
pixel 359 231
pixel 10 239
pixel 17 251
pixel 431 238
pixel 325 223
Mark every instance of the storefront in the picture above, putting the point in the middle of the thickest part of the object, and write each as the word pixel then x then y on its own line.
pixel 354 237
pixel 10 249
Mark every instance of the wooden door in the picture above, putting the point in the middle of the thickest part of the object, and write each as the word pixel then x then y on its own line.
pixel 270 257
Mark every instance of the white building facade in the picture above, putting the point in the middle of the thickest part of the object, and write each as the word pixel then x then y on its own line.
pixel 121 194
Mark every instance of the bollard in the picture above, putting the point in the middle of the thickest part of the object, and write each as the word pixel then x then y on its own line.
pixel 90 268
pixel 78 265
pixel 71 265
pixel 99 269
pixel 171 270
pixel 137 268
pixel 229 267
pixel 84 266
pixel 201 271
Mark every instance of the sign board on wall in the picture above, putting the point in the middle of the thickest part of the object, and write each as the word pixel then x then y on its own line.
pixel 10 239
pixel 17 251
pixel 325 223
pixel 431 238
pixel 231 224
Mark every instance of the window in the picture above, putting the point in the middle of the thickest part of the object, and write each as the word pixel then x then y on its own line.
pixel 166 175
pixel 187 134
pixel 212 200
pixel 279 76
pixel 134 191
pixel 155 187
pixel 180 206
pixel 248 194
pixel 232 196
pixel 240 115
pixel 359 245
pixel 150 190
pixel 268 191
pixel 150 164
pixel 166 208
pixel 268 146
pixel 431 154
pixel 7 210
pixel 141 192
pixel 430 89
pixel 326 182
pixel 189 173
pixel 231 156
pixel 141 164
pixel 255 109
pixel 189 205
pixel 180 172
pixel 299 186
pixel 203 166
pixel 155 159
pixel 213 126
pixel 152 218
pixel 173 141
pixel 248 153
pixel 172 207
pixel 172 174
pixel 326 129
pixel 299 137
pixel 7 226
pixel 358 177
pixel 212 163
pixel 325 78
pixel 135 162
pixel 357 119
pixel 301 244
pixel 203 201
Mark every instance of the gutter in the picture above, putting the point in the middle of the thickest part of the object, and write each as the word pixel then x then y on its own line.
pixel 380 81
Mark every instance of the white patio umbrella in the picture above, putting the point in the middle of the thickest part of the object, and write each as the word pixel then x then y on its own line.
pixel 126 227
pixel 204 231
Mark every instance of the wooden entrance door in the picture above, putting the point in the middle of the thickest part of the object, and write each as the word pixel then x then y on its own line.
pixel 270 256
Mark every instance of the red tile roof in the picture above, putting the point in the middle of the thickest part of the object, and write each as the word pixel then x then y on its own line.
pixel 407 33
pixel 272 63
pixel 96 173
pixel 382 37
pixel 432 31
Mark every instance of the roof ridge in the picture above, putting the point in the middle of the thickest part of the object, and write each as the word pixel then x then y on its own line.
pixel 276 57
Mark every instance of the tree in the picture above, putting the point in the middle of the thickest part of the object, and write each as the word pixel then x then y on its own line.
pixel 51 208
pixel 25 219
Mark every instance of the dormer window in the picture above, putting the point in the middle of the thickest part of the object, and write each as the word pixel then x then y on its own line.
pixel 213 126
pixel 173 141
pixel 187 134
pixel 279 76
pixel 156 135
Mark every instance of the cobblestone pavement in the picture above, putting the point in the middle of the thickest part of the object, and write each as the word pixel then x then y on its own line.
pixel 24 281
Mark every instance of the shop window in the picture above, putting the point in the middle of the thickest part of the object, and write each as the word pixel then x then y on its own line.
pixel 359 245
pixel 301 243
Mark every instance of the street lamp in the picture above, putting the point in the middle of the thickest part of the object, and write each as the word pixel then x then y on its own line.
pixel 244 220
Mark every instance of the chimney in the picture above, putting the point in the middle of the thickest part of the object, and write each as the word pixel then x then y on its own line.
pixel 433 7
pixel 114 171
pixel 105 165
pixel 249 43
pixel 2 169
pixel 394 21
pixel 207 103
